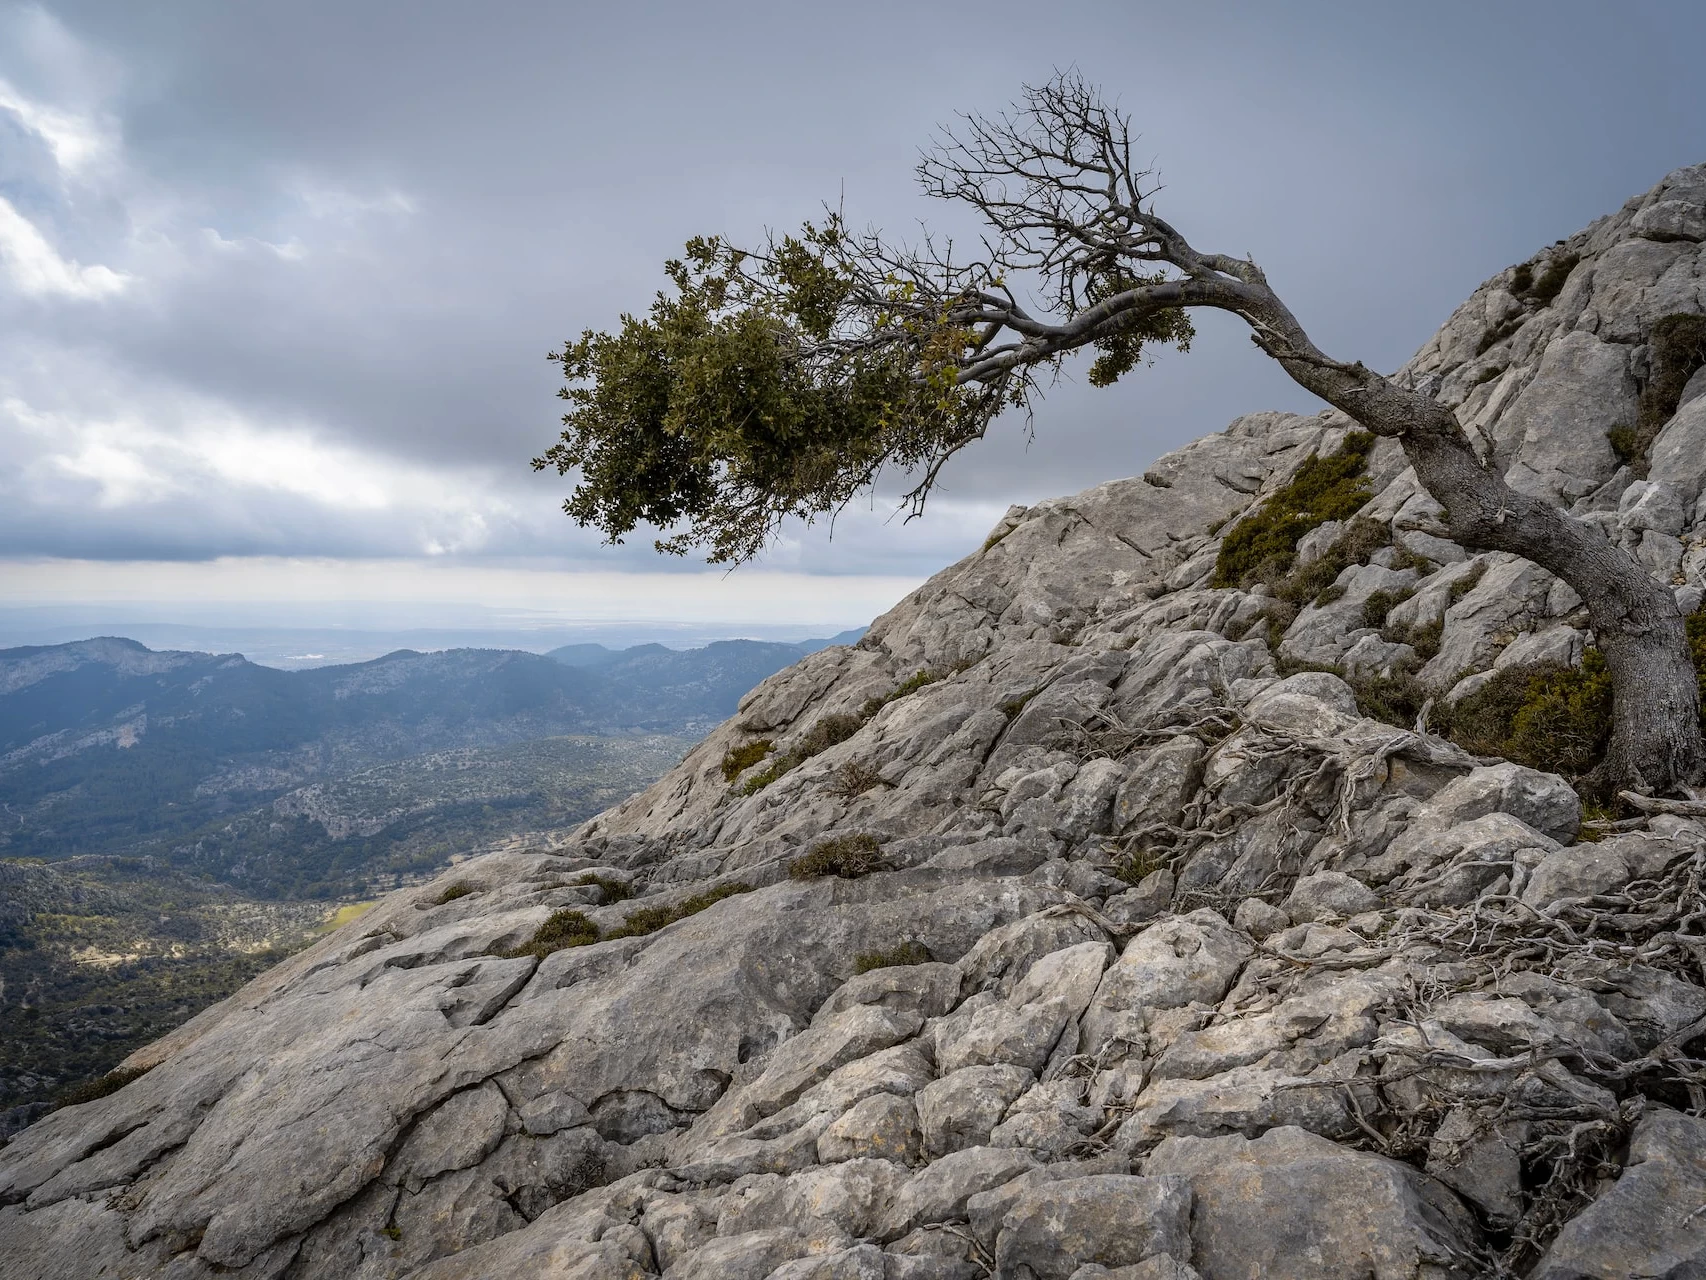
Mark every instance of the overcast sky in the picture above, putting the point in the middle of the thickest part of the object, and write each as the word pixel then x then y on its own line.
pixel 277 281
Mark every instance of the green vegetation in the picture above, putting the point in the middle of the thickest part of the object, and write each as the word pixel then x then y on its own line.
pixel 848 857
pixel 613 890
pixel 1551 282
pixel 905 953
pixel 828 731
pixel 100 1087
pixel 1262 547
pixel 453 891
pixel 1381 603
pixel 651 919
pixel 1136 864
pixel 854 779
pixel 562 929
pixel 737 760
pixel 1678 346
pixel 1013 706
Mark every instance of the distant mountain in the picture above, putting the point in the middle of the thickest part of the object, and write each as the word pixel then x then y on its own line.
pixel 107 746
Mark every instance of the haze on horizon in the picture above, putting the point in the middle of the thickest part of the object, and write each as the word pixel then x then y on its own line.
pixel 277 282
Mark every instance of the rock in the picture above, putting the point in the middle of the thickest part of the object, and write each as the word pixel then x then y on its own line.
pixel 861 1262
pixel 1114 1220
pixel 1171 963
pixel 1651 504
pixel 1160 1267
pixel 1260 919
pixel 821 1206
pixel 1679 453
pixel 1648 1223
pixel 1580 871
pixel 1329 895
pixel 928 989
pixel 1480 1161
pixel 1152 896
pixel 882 1126
pixel 1290 1205
pixel 1555 429
pixel 1543 800
pixel 940 1190
pixel 1157 784
pixel 752 1256
pixel 960 1109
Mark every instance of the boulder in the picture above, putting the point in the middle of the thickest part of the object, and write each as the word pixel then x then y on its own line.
pixel 1290 1205
pixel 1055 1227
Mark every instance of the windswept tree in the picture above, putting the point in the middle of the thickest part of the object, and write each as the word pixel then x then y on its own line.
pixel 779 381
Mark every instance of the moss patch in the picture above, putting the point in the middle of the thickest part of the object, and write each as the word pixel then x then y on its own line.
pixel 1262 547
pixel 651 919
pixel 459 889
pixel 904 954
pixel 737 760
pixel 848 857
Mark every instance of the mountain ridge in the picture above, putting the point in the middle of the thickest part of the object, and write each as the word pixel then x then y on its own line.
pixel 1064 927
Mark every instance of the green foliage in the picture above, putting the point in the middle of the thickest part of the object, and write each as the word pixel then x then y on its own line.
pixel 1557 718
pixel 562 929
pixel 1332 593
pixel 1551 281
pixel 1262 547
pixel 826 732
pixel 1138 864
pixel 737 760
pixel 1626 443
pixel 651 919
pixel 848 857
pixel 728 409
pixel 1122 349
pixel 1381 603
pixel 906 953
pixel 1467 582
pixel 1678 346
pixel 100 1087
pixel 613 890
pixel 458 889
pixel 1396 699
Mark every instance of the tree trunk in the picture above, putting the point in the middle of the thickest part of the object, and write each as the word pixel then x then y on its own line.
pixel 1655 739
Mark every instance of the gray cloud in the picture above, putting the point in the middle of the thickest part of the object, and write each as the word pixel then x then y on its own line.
pixel 341 238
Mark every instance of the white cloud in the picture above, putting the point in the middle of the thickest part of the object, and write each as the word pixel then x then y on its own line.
pixel 79 142
pixel 38 270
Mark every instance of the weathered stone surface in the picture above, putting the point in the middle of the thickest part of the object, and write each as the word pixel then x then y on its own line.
pixel 1648 1223
pixel 1291 1204
pixel 725 1097
pixel 1114 1220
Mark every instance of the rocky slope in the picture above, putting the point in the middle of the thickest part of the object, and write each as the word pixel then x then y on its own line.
pixel 1373 1007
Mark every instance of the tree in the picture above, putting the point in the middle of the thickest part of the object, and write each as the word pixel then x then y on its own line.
pixel 780 382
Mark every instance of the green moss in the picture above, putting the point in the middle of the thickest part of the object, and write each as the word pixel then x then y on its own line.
pixel 1463 585
pixel 651 919
pixel 1013 706
pixel 906 953
pixel 1317 581
pixel 737 760
pixel 459 889
pixel 561 930
pixel 1263 545
pixel 1626 444
pixel 848 857
pixel 100 1087
pixel 1332 593
pixel 613 890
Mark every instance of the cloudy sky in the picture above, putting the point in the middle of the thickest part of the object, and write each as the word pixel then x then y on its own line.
pixel 277 281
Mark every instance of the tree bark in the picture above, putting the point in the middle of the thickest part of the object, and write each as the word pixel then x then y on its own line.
pixel 1655 737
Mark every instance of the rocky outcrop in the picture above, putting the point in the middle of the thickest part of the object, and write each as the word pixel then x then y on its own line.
pixel 1152 961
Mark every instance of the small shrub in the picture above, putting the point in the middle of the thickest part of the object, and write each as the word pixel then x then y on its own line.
pixel 828 731
pixel 1013 706
pixel 1330 594
pixel 453 891
pixel 613 890
pixel 1395 699
pixel 651 919
pixel 1316 580
pixel 391 1232
pixel 99 1087
pixel 738 760
pixel 1551 281
pixel 1424 637
pixel 1626 444
pixel 765 776
pixel 848 857
pixel 1137 864
pixel 853 779
pixel 1381 603
pixel 1404 558
pixel 561 930
pixel 908 952
pixel 1489 374
pixel 1323 489
pixel 1462 586
pixel 1522 278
